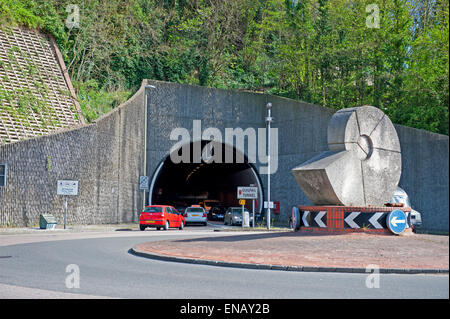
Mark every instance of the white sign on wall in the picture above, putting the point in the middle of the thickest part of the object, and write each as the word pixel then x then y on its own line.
pixel 68 188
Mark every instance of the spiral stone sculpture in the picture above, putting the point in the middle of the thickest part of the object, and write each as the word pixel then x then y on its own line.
pixel 362 166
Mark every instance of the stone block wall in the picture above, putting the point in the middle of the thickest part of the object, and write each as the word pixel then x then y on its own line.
pixel 425 175
pixel 106 157
pixel 302 132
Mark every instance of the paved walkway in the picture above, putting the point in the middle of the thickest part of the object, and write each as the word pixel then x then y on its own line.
pixel 16 236
pixel 16 292
pixel 353 250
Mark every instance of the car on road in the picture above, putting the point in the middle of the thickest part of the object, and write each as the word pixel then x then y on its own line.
pixel 401 197
pixel 195 214
pixel 233 216
pixel 161 216
pixel 217 213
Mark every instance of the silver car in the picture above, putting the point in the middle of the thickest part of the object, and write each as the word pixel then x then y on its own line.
pixel 233 216
pixel 195 214
pixel 400 197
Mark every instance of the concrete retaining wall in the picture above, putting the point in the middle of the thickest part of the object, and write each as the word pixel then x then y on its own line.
pixel 302 130
pixel 107 156
pixel 425 175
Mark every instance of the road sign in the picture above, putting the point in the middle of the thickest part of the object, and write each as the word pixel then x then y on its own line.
pixel 68 188
pixel 318 219
pixel 242 202
pixel 314 219
pixel 269 204
pixel 373 220
pixel 144 182
pixel 247 192
pixel 396 221
pixel 305 218
pixel 295 218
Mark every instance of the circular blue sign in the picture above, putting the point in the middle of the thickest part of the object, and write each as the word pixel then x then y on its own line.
pixel 396 221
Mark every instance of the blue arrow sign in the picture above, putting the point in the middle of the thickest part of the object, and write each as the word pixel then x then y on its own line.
pixel 396 221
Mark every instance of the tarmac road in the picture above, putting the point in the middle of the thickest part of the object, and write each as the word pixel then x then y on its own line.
pixel 107 269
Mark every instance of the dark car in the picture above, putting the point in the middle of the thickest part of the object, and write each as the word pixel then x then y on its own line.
pixel 217 213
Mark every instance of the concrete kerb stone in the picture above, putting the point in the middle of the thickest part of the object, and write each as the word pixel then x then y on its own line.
pixel 344 270
pixel 188 260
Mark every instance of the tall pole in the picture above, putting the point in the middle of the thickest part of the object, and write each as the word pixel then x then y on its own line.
pixel 253 213
pixel 65 212
pixel 148 86
pixel 268 121
pixel 253 209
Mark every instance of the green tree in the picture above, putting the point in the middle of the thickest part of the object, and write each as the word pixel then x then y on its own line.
pixel 318 51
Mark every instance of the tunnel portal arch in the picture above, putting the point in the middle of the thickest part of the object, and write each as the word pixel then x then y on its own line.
pixel 188 183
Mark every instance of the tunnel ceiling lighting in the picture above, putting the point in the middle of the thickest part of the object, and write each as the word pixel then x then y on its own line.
pixel 193 171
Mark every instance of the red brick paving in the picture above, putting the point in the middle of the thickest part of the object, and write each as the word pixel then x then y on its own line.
pixel 306 249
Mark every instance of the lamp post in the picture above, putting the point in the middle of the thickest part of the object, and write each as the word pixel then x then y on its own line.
pixel 148 86
pixel 269 120
pixel 253 209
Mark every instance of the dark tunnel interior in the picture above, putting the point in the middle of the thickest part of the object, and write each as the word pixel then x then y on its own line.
pixel 184 184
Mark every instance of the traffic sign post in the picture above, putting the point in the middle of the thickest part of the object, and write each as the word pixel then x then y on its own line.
pixel 244 192
pixel 396 221
pixel 253 208
pixel 65 211
pixel 67 188
pixel 247 192
pixel 269 204
pixel 253 212
pixel 295 218
pixel 144 184
pixel 245 214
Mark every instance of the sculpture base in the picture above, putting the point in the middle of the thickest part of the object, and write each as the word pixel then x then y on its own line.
pixel 338 219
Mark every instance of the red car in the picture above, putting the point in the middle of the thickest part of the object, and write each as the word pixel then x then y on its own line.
pixel 161 216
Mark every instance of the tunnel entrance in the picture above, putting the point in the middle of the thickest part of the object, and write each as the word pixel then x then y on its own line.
pixel 185 184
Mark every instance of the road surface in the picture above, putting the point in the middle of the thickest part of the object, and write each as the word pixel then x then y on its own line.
pixel 107 269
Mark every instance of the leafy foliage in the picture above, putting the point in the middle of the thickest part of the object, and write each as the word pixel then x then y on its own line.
pixel 318 51
pixel 95 101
